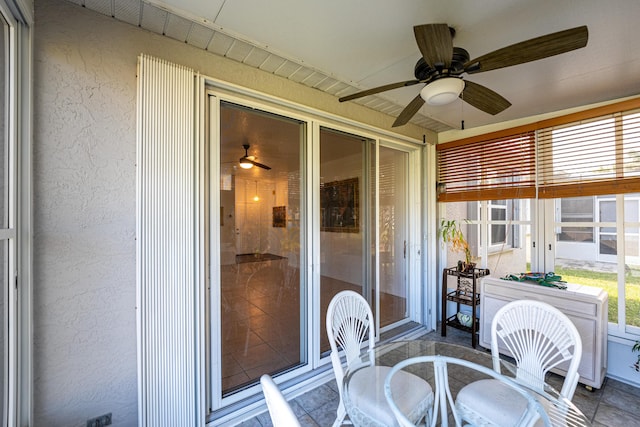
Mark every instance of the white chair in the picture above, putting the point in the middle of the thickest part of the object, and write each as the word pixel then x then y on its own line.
pixel 527 407
pixel 279 410
pixel 539 337
pixel 349 324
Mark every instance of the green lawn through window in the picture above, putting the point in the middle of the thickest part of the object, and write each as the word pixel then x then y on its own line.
pixel 608 282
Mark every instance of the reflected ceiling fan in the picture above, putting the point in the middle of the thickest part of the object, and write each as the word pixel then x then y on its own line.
pixel 442 65
pixel 247 161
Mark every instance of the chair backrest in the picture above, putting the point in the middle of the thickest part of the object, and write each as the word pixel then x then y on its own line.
pixel 539 337
pixel 444 399
pixel 279 410
pixel 349 324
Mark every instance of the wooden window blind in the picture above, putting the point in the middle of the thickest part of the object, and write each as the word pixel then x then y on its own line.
pixel 495 167
pixel 594 156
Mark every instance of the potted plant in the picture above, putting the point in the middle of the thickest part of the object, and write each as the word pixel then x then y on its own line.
pixel 451 233
pixel 636 347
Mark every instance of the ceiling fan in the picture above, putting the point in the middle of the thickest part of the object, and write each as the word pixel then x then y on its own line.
pixel 247 161
pixel 442 65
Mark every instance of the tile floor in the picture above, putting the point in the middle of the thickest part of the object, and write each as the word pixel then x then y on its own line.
pixel 614 405
pixel 261 317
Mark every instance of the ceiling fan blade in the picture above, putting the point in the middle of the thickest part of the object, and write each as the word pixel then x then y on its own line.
pixel 378 90
pixel 530 50
pixel 483 98
pixel 260 165
pixel 409 111
pixel 435 44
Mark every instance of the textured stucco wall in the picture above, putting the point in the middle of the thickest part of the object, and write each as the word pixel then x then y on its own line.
pixel 84 219
pixel 84 325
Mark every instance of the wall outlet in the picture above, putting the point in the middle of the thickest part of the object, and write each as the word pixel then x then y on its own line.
pixel 101 421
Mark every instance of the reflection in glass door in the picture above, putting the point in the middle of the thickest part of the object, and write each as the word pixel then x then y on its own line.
pixel 343 219
pixel 348 246
pixel 392 232
pixel 262 303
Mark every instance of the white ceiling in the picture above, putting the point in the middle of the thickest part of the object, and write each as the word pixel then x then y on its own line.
pixel 343 46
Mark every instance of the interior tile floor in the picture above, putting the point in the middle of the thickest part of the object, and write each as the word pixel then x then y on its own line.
pixel 613 405
pixel 260 322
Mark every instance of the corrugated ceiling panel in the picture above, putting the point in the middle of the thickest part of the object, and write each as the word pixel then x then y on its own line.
pixel 177 28
pixel 287 69
pixel 314 79
pixel 153 19
pixel 301 74
pixel 378 104
pixel 337 88
pixel 326 83
pixel 239 50
pixel 368 101
pixel 272 63
pixel 390 108
pixel 220 44
pixel 200 36
pixel 101 6
pixel 431 124
pixel 127 11
pixel 256 57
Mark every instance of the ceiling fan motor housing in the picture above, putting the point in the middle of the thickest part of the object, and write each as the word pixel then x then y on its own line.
pixel 423 72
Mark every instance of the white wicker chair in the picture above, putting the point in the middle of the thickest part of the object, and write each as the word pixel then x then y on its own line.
pixel 539 337
pixel 526 406
pixel 349 324
pixel 279 410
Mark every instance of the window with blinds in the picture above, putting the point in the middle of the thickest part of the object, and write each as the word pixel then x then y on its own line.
pixel 590 157
pixel 487 168
pixel 589 153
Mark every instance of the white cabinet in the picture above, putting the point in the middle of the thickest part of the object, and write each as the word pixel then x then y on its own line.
pixel 587 307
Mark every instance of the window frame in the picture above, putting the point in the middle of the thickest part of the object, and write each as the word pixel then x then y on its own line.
pixel 19 17
pixel 544 240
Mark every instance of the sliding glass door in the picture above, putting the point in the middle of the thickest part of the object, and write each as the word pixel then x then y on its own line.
pixel 345 226
pixel 357 194
pixel 393 240
pixel 262 303
pixel 286 191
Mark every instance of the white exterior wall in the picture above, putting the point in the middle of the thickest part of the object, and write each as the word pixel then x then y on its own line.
pixel 84 219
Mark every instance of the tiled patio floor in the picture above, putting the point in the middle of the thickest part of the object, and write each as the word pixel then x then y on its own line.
pixel 614 405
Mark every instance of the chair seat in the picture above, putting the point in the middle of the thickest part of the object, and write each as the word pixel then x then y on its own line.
pixel 490 402
pixel 413 395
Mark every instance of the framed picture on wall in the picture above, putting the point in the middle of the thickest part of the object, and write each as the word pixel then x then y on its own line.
pixel 279 216
pixel 339 203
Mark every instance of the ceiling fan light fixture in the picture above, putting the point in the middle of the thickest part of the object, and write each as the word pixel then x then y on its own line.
pixel 245 164
pixel 442 91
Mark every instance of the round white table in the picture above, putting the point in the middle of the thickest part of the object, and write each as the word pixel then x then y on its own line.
pixel 561 411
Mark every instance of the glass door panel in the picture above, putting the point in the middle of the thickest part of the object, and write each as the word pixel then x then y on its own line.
pixel 263 304
pixel 392 235
pixel 342 219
